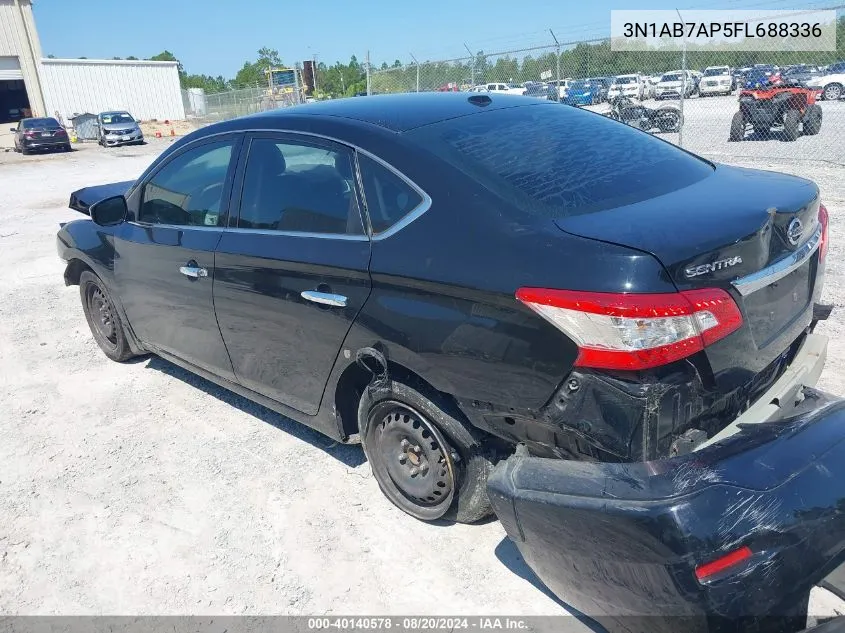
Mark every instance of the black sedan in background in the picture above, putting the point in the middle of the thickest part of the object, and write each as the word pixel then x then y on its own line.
pixel 43 133
pixel 455 281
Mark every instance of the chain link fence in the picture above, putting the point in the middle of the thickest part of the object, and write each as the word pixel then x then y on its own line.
pixel 205 108
pixel 691 98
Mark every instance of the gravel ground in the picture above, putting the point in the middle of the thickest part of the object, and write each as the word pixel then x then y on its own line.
pixel 141 489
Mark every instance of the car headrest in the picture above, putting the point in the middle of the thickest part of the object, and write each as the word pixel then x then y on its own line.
pixel 268 156
pixel 343 165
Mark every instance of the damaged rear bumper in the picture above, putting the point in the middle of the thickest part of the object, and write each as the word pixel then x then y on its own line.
pixel 621 542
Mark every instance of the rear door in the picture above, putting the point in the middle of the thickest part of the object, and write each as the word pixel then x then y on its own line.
pixel 164 254
pixel 292 271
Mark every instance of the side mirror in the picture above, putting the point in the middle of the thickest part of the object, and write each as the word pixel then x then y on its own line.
pixel 13 129
pixel 108 212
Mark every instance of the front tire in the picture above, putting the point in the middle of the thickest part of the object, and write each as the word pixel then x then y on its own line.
pixel 813 120
pixel 737 127
pixel 427 461
pixel 791 120
pixel 102 317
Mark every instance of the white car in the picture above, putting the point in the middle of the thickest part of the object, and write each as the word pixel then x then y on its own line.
pixel 672 84
pixel 832 86
pixel 503 88
pixel 631 86
pixel 716 80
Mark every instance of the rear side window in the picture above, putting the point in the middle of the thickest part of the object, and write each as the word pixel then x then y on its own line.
pixel 559 161
pixel 299 187
pixel 389 198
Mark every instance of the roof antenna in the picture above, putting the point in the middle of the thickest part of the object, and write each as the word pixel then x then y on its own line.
pixel 480 100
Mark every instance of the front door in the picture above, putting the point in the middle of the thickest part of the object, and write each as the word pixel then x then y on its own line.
pixel 292 276
pixel 164 255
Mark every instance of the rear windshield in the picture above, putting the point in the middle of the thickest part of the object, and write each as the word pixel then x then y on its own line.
pixel 558 161
pixel 672 77
pixel 625 80
pixel 715 72
pixel 46 122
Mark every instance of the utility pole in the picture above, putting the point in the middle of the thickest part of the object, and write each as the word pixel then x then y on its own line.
pixel 368 73
pixel 418 70
pixel 557 59
pixel 472 64
pixel 683 85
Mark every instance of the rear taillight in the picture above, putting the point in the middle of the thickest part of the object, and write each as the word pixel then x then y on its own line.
pixel 723 563
pixel 60 133
pixel 636 331
pixel 824 220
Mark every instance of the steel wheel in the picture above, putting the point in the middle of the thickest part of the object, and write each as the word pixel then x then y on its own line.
pixel 411 460
pixel 102 315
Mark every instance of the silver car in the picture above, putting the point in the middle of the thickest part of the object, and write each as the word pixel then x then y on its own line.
pixel 118 128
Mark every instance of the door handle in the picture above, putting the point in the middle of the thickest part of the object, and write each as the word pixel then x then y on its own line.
pixel 324 298
pixel 193 271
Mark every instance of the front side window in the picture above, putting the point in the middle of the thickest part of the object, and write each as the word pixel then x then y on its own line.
pixel 389 197
pixel 299 187
pixel 188 191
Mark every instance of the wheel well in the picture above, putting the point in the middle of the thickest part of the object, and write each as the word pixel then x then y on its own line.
pixel 74 270
pixel 354 380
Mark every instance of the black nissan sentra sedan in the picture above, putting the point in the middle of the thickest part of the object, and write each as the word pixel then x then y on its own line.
pixel 458 281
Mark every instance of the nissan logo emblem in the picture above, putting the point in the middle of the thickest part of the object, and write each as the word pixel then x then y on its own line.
pixel 794 231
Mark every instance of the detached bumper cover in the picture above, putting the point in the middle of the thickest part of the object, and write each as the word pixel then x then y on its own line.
pixel 623 540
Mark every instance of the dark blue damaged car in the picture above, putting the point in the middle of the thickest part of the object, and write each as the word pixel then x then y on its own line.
pixel 514 307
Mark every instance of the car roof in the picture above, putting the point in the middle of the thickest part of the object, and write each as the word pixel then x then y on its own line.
pixel 395 112
pixel 115 112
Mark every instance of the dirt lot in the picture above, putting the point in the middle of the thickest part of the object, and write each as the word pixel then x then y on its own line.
pixel 141 489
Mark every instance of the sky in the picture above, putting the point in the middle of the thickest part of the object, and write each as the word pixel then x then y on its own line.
pixel 215 37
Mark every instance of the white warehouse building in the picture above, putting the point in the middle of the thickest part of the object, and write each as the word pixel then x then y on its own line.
pixel 31 85
pixel 148 90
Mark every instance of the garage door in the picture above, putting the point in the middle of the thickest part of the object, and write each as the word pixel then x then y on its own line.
pixel 10 68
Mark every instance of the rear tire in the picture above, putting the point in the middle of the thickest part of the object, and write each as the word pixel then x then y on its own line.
pixel 102 317
pixel 669 120
pixel 832 92
pixel 791 120
pixel 737 127
pixel 813 120
pixel 426 461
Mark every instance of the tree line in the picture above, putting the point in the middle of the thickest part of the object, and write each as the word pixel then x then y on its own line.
pixel 336 80
pixel 594 59
pixel 584 60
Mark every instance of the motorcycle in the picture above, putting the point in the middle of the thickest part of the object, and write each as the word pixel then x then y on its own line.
pixel 666 118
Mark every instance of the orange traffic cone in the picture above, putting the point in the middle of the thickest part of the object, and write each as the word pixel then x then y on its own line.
pixel 158 133
pixel 172 132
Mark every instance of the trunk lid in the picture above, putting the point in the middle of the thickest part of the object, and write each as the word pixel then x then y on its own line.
pixel 722 232
pixel 83 198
